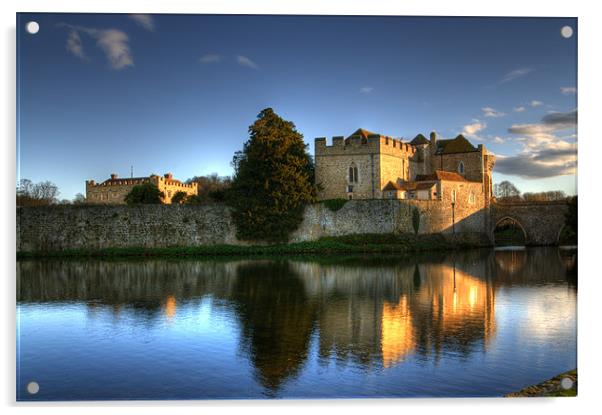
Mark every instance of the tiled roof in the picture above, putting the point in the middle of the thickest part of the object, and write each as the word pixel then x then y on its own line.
pixel 456 145
pixel 417 185
pixel 440 175
pixel 418 140
pixel 408 186
pixel 124 179
pixel 391 186
pixel 361 133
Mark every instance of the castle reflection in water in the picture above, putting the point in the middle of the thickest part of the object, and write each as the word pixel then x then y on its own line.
pixel 375 312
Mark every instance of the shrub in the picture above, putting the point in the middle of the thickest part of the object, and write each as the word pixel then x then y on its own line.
pixel 146 193
pixel 179 198
pixel 334 204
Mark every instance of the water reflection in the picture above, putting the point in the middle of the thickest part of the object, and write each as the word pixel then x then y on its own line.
pixel 373 314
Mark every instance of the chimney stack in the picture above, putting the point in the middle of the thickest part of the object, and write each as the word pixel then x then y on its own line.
pixel 168 176
pixel 433 137
pixel 113 176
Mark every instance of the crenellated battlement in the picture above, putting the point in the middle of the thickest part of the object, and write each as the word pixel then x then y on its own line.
pixel 373 143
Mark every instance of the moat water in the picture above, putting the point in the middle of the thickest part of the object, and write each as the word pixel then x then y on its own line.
pixel 476 323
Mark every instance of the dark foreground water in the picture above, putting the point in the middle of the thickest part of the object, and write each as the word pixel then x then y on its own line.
pixel 481 323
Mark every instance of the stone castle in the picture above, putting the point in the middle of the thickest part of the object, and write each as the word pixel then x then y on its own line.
pixel 366 165
pixel 114 190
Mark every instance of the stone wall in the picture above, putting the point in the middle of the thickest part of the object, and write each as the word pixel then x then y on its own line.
pixel 104 226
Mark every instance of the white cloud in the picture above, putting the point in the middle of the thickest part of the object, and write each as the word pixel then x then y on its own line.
pixel 491 112
pixel 144 20
pixel 75 46
pixel 471 130
pixel 244 61
pixel 536 103
pixel 498 140
pixel 568 90
pixel 518 109
pixel 517 73
pixel 210 58
pixel 366 89
pixel 544 154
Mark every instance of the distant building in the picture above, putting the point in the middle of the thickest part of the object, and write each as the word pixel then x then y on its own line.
pixel 114 190
pixel 372 166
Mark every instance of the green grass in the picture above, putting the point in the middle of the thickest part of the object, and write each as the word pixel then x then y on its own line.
pixel 551 387
pixel 353 244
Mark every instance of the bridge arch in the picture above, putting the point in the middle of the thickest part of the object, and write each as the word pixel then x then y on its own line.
pixel 516 224
pixel 541 222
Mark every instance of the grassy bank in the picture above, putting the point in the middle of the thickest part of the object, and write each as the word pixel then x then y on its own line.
pixel 350 244
pixel 550 387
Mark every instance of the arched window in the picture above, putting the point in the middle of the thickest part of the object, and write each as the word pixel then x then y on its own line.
pixel 461 167
pixel 353 176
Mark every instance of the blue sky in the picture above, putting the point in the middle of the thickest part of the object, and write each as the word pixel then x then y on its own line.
pixel 98 93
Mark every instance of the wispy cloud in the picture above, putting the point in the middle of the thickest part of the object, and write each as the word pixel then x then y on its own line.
pixel 75 46
pixel 519 109
pixel 210 58
pixel 515 74
pixel 244 61
pixel 115 45
pixel 568 90
pixel 544 154
pixel 144 20
pixel 113 42
pixel 498 140
pixel 366 89
pixel 491 112
pixel 536 103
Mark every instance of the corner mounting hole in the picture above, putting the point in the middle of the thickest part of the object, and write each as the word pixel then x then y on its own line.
pixel 32 27
pixel 566 32
pixel 33 388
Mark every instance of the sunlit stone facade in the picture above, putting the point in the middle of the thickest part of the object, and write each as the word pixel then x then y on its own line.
pixel 114 190
pixel 366 165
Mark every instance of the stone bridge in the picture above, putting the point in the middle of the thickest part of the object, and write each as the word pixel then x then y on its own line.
pixel 541 222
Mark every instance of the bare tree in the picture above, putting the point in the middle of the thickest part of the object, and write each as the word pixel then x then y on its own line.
pixel 506 190
pixel 550 196
pixel 39 194
pixel 79 199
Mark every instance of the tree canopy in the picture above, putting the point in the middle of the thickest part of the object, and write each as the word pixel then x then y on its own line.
pixel 212 188
pixel 273 180
pixel 146 193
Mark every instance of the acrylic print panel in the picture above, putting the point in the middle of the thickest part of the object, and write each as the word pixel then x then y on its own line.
pixel 226 207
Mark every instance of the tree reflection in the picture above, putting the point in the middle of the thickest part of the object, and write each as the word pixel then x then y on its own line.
pixel 374 314
pixel 276 319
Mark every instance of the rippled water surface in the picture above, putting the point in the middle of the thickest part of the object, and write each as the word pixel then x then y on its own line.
pixel 480 323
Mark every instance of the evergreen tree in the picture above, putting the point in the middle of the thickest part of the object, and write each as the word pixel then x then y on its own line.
pixel 273 180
